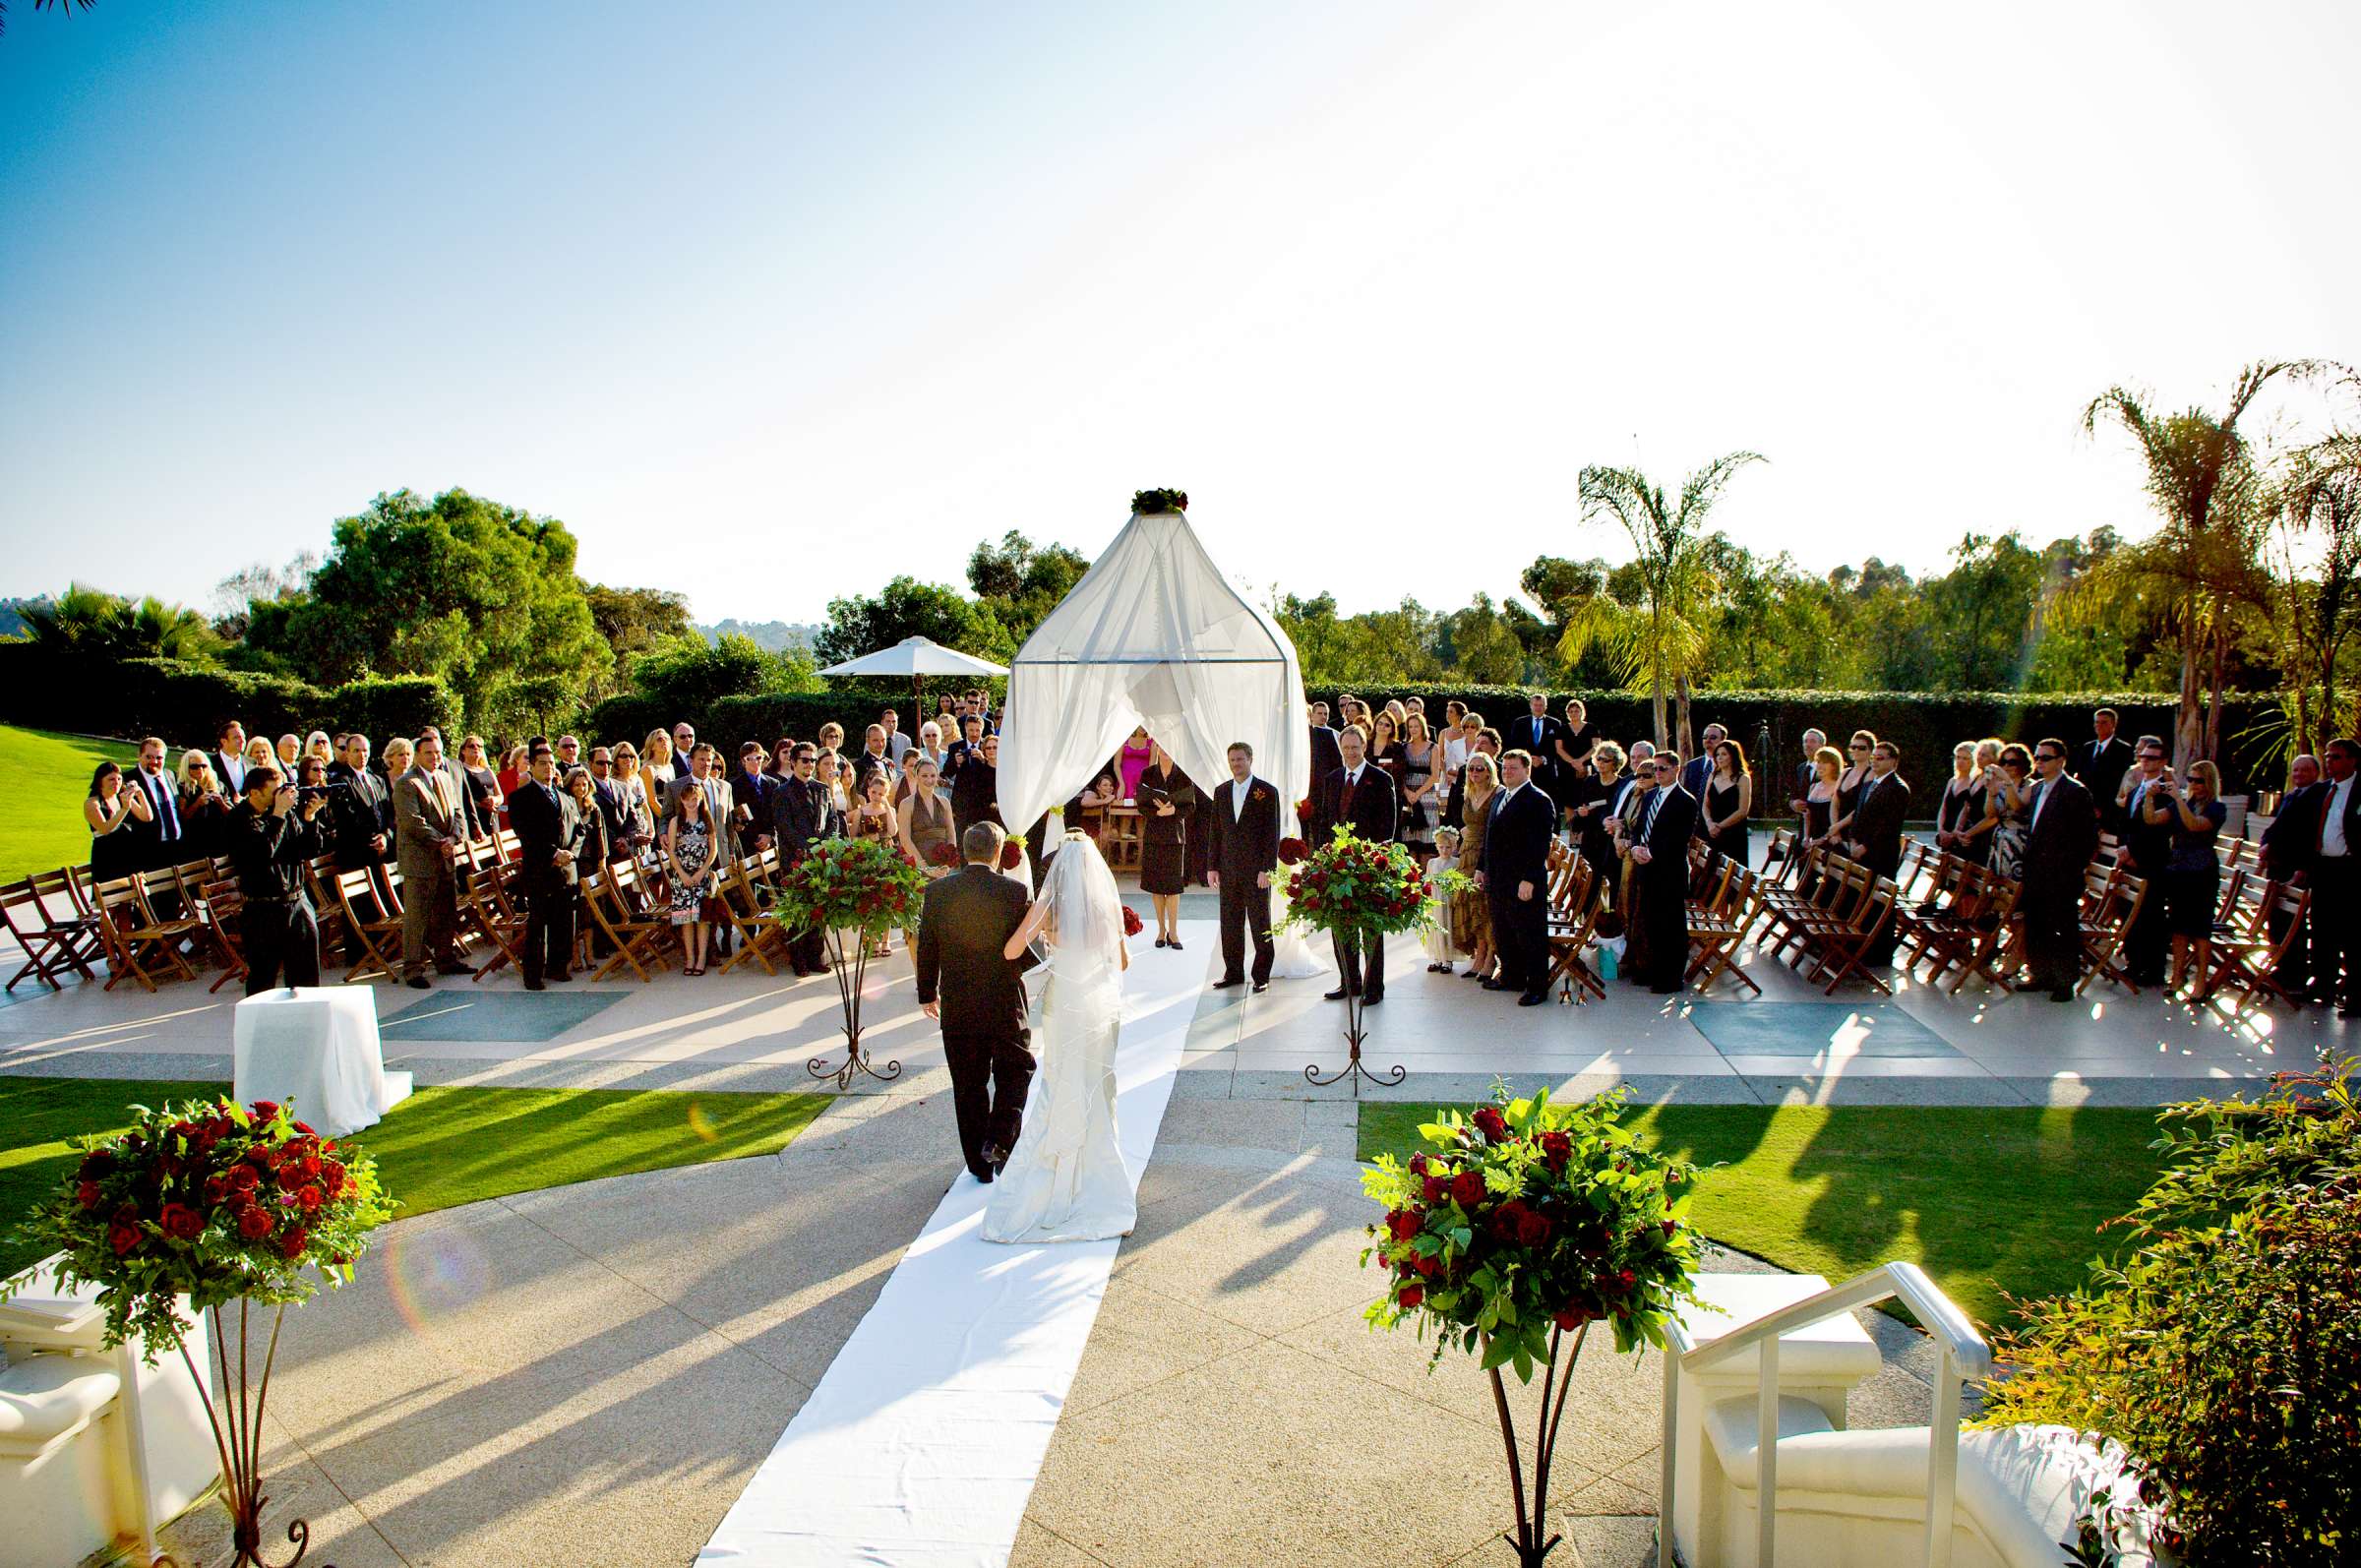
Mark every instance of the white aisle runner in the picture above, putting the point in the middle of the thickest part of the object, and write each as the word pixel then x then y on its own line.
pixel 921 1442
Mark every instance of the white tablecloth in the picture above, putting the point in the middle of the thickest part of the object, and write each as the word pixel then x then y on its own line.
pixel 316 1048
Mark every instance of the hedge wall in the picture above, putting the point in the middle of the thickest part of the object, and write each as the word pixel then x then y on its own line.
pixel 187 704
pixel 1926 726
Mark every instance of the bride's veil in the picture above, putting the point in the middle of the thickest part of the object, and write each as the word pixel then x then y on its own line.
pixel 1084 932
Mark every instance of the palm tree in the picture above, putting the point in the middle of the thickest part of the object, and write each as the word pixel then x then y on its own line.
pixel 91 623
pixel 2320 494
pixel 1659 642
pixel 2203 481
pixel 65 6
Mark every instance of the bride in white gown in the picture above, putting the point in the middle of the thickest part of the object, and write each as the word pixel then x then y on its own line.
pixel 1064 1180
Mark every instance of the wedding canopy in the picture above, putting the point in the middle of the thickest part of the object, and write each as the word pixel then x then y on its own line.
pixel 1154 635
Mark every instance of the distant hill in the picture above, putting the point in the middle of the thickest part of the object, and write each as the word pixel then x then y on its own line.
pixel 771 636
pixel 12 617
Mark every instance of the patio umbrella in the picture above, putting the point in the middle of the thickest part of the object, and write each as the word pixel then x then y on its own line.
pixel 917 657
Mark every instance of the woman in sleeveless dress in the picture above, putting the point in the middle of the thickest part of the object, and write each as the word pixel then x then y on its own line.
pixel 2009 806
pixel 1132 761
pixel 874 817
pixel 1849 785
pixel 926 835
pixel 1961 807
pixel 1729 797
pixel 1421 779
pixel 1066 1179
pixel 110 809
pixel 689 865
pixel 1470 911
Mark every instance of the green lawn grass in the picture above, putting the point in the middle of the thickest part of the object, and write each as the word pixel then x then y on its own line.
pixel 43 780
pixel 1987 1200
pixel 440 1148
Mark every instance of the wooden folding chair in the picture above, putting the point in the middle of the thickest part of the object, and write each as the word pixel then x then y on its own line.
pixel 222 906
pixel 1841 947
pixel 371 926
pixel 491 906
pixel 2248 955
pixel 1721 927
pixel 135 940
pixel 1573 921
pixel 53 943
pixel 746 911
pixel 2111 901
pixel 637 935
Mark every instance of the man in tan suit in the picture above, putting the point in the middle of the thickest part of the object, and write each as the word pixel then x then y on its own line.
pixel 430 818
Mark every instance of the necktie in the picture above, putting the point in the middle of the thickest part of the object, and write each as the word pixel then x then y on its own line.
pixel 1648 818
pixel 1344 807
pixel 167 813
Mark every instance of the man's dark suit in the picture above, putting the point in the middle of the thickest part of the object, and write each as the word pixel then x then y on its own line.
pixel 2289 845
pixel 361 810
pixel 1516 849
pixel 803 813
pixel 2100 765
pixel 1668 818
pixel 1371 806
pixel 753 791
pixel 2147 846
pixel 2337 906
pixel 962 929
pixel 1325 758
pixel 1543 744
pixel 2057 850
pixel 1243 845
pixel 975 793
pixel 548 824
pixel 1877 817
pixel 1694 776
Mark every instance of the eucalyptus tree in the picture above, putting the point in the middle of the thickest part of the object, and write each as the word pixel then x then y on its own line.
pixel 1658 645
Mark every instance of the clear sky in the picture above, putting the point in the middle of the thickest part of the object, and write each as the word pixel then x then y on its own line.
pixel 770 301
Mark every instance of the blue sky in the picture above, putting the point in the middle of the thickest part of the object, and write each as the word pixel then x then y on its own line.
pixel 770 301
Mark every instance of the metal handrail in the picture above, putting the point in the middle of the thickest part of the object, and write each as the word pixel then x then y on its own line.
pixel 1962 1355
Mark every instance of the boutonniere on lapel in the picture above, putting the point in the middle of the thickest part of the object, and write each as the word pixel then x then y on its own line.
pixel 1258 794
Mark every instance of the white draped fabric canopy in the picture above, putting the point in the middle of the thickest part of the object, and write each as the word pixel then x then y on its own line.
pixel 1154 635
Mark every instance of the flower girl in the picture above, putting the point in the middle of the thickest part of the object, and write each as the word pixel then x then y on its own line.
pixel 1436 937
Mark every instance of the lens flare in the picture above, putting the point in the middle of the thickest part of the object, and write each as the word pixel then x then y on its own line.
pixel 432 1275
pixel 699 1124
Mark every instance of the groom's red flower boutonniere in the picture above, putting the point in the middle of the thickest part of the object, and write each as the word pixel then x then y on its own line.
pixel 1258 794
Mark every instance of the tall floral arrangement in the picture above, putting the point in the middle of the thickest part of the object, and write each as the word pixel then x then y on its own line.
pixel 853 889
pixel 223 1204
pixel 1356 891
pixel 1519 1227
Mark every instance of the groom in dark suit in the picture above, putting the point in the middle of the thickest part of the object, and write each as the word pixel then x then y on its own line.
pixel 1241 826
pixel 1361 796
pixel 962 931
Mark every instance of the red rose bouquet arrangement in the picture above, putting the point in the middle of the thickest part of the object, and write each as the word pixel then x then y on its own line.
pixel 1012 852
pixel 1523 1223
pixel 1357 892
pixel 944 856
pixel 221 1203
pixel 1292 851
pixel 1156 502
pixel 1132 926
pixel 853 889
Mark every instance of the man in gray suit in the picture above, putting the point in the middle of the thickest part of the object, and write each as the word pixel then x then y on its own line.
pixel 430 819
pixel 471 826
pixel 720 808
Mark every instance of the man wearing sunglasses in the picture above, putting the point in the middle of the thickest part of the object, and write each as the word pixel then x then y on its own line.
pixel 2060 840
pixel 2147 846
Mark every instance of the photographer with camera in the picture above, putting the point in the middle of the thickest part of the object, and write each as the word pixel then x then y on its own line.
pixel 271 834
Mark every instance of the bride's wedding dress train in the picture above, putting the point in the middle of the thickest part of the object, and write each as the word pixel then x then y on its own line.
pixel 1066 1179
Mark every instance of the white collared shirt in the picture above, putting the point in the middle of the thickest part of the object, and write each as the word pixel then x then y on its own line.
pixel 2332 824
pixel 1238 799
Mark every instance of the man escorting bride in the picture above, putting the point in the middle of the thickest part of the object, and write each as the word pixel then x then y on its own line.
pixel 1053 1158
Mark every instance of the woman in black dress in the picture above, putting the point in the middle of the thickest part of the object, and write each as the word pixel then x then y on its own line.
pixel 111 810
pixel 203 806
pixel 1729 797
pixel 1167 801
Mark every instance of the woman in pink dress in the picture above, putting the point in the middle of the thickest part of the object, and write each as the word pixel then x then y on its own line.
pixel 1133 759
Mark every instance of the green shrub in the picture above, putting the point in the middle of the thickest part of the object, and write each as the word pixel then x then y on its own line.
pixel 2224 1353
pixel 386 705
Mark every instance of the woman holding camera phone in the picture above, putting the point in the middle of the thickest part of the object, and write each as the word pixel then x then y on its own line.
pixel 2190 809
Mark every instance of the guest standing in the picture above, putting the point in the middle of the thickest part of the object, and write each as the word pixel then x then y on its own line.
pixel 1537 733
pixel 975 792
pixel 1728 798
pixel 1877 818
pixel 549 835
pixel 269 838
pixel 2146 850
pixel 1167 801
pixel 360 815
pixel 2286 850
pixel 802 816
pixel 2009 814
pixel 1660 850
pixel 204 808
pixel 930 831
pixel 1242 838
pixel 159 831
pixel 2101 761
pixel 1422 788
pixel 2192 816
pixel 1959 804
pixel 1133 759
pixel 2336 889
pixel 1363 796
pixel 113 814
pixel 1516 875
pixel 689 866
pixel 2062 834
pixel 874 817
pixel 429 821
pixel 1471 910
